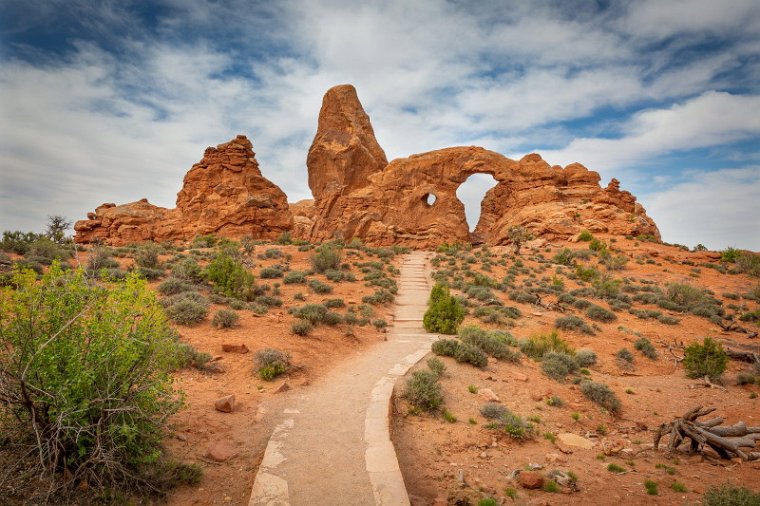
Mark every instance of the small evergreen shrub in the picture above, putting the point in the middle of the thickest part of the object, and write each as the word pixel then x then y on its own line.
pixel 301 327
pixel 294 277
pixel 147 255
pixel 585 236
pixel 444 313
pixel 585 357
pixel 730 495
pixel 558 365
pixel 445 347
pixel 229 277
pixel 436 366
pixel 602 395
pixel 271 363
pixel 313 313
pixel 187 308
pixel 706 359
pixel 325 257
pixel 319 287
pixel 173 286
pixel 271 272
pixel 624 355
pixel 493 410
pixel 646 348
pixel 600 314
pixel 225 319
pixel 424 391
pixel 187 269
pixel 471 354
pixel 573 323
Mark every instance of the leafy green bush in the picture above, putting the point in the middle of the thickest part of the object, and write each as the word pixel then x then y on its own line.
pixel 424 391
pixel 225 319
pixel 600 314
pixel 229 277
pixel 539 345
pixel 597 245
pixel 313 313
pixel 492 343
pixel 471 354
pixel 271 363
pixel 504 420
pixel 271 272
pixel 646 348
pixel 564 257
pixel 188 270
pixel 602 395
pixel 301 327
pixel 558 365
pixel 325 257
pixel 45 251
pixel 493 410
pixel 573 323
pixel 445 347
pixel 585 236
pixel 444 314
pixel 147 255
pixel 85 378
pixel 319 287
pixel 18 242
pixel 706 359
pixel 293 277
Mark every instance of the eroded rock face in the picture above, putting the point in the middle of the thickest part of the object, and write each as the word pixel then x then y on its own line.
pixel 391 207
pixel 223 194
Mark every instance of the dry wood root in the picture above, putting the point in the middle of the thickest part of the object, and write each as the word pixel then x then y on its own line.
pixel 727 441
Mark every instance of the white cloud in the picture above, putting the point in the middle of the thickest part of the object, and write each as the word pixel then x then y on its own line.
pixel 718 209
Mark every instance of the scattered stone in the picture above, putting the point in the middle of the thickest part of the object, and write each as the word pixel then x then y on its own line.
pixel 225 404
pixel 488 395
pixel 235 348
pixel 519 376
pixel 530 480
pixel 570 439
pixel 181 437
pixel 220 451
pixel 535 467
pixel 555 458
pixel 282 388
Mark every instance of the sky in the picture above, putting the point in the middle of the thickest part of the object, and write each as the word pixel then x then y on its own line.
pixel 114 100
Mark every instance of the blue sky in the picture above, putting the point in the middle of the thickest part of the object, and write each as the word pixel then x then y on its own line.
pixel 112 101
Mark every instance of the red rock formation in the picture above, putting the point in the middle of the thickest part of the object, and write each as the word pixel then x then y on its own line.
pixel 224 194
pixel 389 206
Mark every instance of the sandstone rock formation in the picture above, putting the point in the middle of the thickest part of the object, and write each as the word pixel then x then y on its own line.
pixel 223 194
pixel 388 205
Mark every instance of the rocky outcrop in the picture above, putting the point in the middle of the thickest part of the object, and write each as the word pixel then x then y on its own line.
pixel 223 194
pixel 390 205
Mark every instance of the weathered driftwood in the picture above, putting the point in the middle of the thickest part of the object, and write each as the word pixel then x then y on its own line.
pixel 732 326
pixel 727 441
pixel 744 356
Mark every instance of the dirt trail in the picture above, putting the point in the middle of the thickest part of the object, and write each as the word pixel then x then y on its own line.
pixel 331 444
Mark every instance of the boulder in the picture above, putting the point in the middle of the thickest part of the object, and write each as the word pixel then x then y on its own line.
pixel 235 348
pixel 530 479
pixel 225 404
pixel 220 451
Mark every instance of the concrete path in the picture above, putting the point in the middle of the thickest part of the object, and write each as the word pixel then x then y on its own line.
pixel 332 446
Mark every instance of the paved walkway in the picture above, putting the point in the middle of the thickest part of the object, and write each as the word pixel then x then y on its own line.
pixel 332 446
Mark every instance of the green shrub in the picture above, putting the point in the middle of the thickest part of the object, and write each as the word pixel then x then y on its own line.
pixel 271 363
pixel 585 236
pixel 187 308
pixel 493 410
pixel 706 359
pixel 573 323
pixel 730 495
pixel 539 345
pixel 313 313
pixel 381 296
pixel 229 277
pixel 85 378
pixel 204 241
pixel 18 242
pixel 470 354
pixel 301 327
pixel 188 269
pixel 597 245
pixel 225 319
pixel 424 391
pixel 190 357
pixel 379 324
pixel 585 358
pixel 564 257
pixel 586 273
pixel 624 355
pixel 558 365
pixel 504 420
pixel 492 343
pixel 319 287
pixel 651 487
pixel 523 296
pixel 444 314
pixel 294 277
pixel 646 348
pixel 325 257
pixel 45 251
pixel 99 257
pixel 436 366
pixel 272 272
pixel 445 347
pixel 173 286
pixel 602 395
pixel 147 255
pixel 600 314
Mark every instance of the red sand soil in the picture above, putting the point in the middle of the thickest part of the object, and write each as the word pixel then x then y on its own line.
pixel 434 452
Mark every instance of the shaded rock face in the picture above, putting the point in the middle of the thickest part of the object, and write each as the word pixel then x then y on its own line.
pixel 389 205
pixel 224 194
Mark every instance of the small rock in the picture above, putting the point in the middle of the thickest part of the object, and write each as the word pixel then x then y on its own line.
pixel 519 376
pixel 488 395
pixel 235 348
pixel 282 388
pixel 555 458
pixel 225 404
pixel 460 478
pixel 181 437
pixel 530 479
pixel 536 396
pixel 535 467
pixel 483 455
pixel 220 451
pixel 570 439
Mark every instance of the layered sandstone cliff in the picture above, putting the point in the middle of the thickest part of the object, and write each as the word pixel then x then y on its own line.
pixel 223 194
pixel 389 205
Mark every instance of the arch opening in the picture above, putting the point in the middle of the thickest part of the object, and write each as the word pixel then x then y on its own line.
pixel 471 193
pixel 429 199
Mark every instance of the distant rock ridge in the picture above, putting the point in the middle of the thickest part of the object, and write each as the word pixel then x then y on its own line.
pixel 357 193
pixel 223 194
